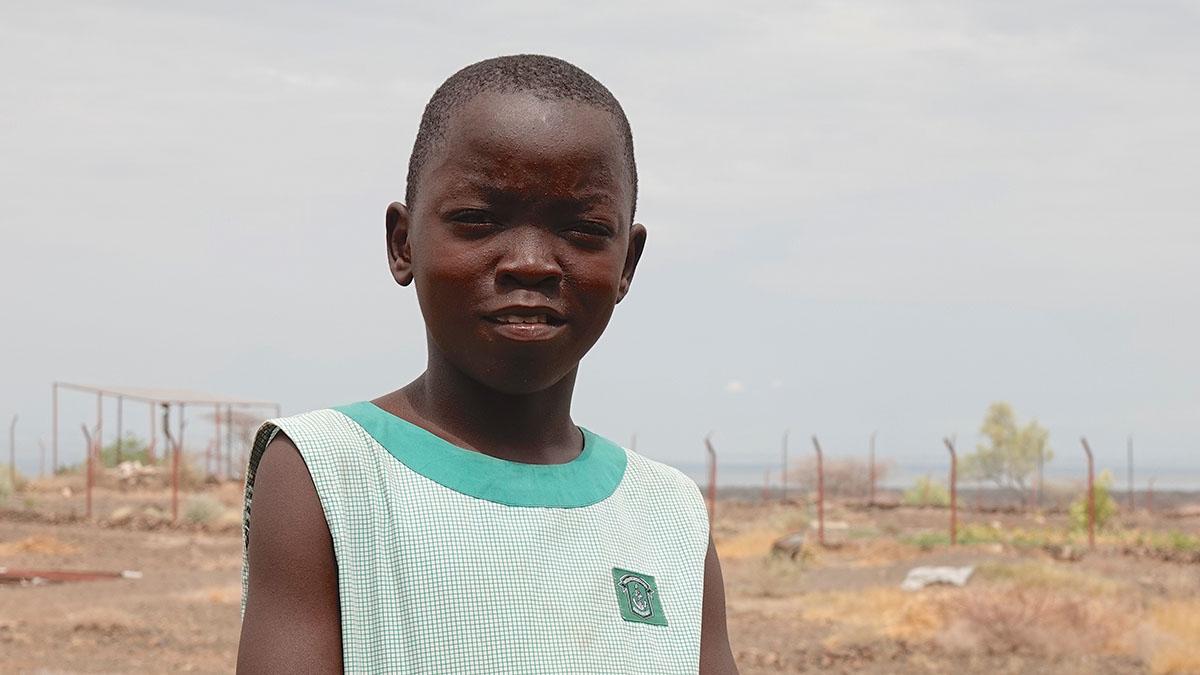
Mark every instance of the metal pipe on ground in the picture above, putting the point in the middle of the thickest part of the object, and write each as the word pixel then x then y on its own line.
pixel 14 575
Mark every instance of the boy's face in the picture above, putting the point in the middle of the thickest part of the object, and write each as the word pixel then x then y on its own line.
pixel 520 241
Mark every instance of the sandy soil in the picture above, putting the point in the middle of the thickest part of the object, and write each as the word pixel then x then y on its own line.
pixel 835 609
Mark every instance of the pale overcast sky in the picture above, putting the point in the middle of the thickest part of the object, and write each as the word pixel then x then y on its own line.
pixel 862 215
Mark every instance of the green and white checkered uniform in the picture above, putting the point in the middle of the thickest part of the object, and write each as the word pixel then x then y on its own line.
pixel 452 561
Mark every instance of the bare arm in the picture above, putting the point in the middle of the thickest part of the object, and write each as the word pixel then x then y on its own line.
pixel 292 622
pixel 716 656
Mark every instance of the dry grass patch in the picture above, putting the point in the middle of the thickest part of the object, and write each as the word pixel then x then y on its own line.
pixel 887 612
pixel 102 621
pixel 1009 618
pixel 750 544
pixel 216 595
pixel 38 544
pixel 875 552
pixel 1045 575
pixel 1172 643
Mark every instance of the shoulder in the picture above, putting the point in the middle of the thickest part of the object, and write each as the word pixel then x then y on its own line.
pixel 660 473
pixel 321 436
pixel 666 487
pixel 317 426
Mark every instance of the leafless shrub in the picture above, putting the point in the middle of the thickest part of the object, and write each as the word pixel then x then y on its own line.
pixel 1037 620
pixel 845 477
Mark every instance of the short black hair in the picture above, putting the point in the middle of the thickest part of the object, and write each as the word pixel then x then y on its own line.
pixel 545 77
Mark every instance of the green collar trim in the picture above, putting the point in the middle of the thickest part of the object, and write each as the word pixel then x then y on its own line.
pixel 589 478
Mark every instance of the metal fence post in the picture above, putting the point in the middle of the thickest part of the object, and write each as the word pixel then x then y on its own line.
pixel 712 479
pixel 953 491
pixel 1091 494
pixel 820 492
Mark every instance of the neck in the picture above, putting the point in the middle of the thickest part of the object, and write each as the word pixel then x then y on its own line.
pixel 534 428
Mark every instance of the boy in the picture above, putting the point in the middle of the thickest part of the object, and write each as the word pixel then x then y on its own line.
pixel 463 523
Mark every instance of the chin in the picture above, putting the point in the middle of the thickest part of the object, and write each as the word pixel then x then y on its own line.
pixel 518 380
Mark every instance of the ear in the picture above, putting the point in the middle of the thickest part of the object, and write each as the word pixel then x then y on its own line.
pixel 399 252
pixel 637 242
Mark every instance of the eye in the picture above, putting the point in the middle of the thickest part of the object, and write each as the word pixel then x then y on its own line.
pixel 589 229
pixel 473 223
pixel 473 217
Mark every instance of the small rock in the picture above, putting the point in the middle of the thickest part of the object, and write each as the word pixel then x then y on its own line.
pixel 121 516
pixel 1064 552
pixel 791 545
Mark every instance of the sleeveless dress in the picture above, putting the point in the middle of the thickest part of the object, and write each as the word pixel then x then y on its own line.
pixel 453 561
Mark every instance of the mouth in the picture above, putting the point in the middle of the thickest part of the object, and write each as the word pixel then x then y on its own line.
pixel 525 319
pixel 527 324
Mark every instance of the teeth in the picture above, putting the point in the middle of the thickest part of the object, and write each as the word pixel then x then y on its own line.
pixel 513 318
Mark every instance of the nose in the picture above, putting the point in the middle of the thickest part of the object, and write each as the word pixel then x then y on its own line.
pixel 529 261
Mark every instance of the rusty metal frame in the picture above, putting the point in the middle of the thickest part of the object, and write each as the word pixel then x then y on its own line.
pixel 94 438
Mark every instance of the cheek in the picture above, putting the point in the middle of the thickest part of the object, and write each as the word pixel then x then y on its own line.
pixel 440 260
pixel 596 286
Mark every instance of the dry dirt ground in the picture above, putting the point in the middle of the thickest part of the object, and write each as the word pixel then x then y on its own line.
pixel 837 609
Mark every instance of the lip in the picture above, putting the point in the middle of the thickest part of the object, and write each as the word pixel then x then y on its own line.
pixel 554 323
pixel 526 332
pixel 552 314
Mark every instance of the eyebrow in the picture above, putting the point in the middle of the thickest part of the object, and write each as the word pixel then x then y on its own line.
pixel 489 190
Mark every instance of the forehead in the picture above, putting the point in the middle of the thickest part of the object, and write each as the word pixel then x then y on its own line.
pixel 519 142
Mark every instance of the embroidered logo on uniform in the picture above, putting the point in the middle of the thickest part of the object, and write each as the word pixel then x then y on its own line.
pixel 637 595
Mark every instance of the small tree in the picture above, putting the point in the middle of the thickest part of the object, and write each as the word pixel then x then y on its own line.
pixel 1011 454
pixel 130 448
pixel 1106 506
pixel 926 491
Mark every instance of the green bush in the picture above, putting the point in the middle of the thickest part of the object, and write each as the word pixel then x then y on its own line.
pixel 6 485
pixel 975 533
pixel 1106 506
pixel 1181 541
pixel 927 541
pixel 132 449
pixel 926 492
pixel 202 510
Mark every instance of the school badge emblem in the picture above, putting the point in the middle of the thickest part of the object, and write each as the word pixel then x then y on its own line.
pixel 637 596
